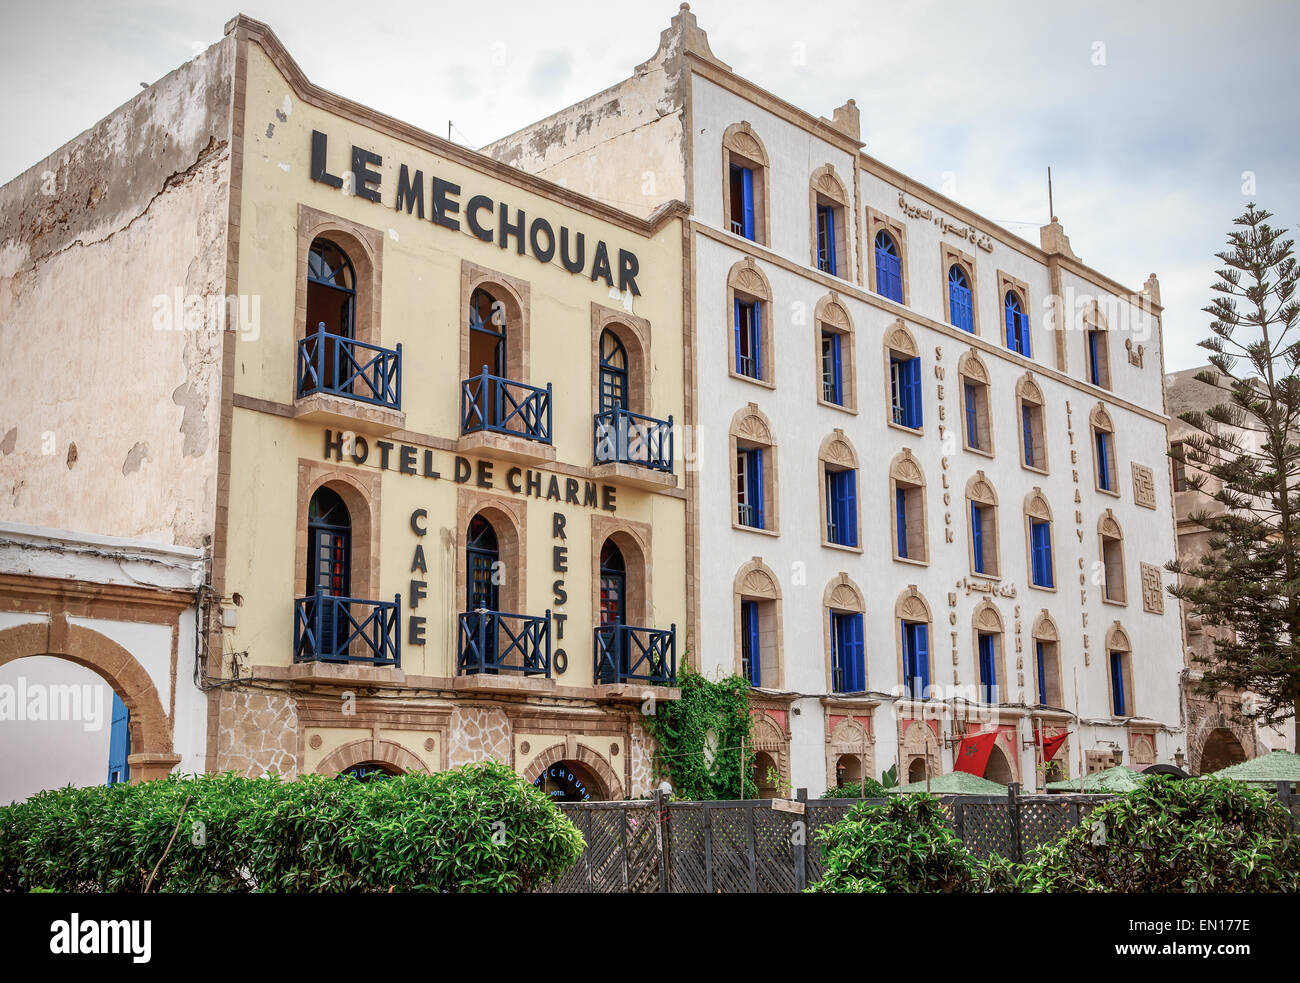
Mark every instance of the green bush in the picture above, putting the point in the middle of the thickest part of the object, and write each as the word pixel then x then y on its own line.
pixel 1169 836
pixel 904 845
pixel 853 790
pixel 699 739
pixel 474 828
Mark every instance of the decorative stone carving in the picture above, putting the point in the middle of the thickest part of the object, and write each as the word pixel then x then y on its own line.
pixel 831 311
pixel 1135 352
pixel 900 340
pixel 1144 486
pixel 972 367
pixel 1153 589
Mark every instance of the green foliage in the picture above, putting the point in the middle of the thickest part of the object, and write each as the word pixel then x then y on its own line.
pixel 1168 836
pixel 853 790
pixel 889 777
pixel 474 828
pixel 904 846
pixel 1244 457
pixel 710 720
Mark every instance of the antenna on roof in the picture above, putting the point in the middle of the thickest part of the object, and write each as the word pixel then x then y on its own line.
pixel 1051 208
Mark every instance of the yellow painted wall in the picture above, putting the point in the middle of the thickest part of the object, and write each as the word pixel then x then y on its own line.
pixel 421 287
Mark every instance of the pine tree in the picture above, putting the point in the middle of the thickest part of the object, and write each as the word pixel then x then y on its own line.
pixel 1245 455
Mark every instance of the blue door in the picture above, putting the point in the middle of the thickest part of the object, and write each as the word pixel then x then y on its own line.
pixel 119 743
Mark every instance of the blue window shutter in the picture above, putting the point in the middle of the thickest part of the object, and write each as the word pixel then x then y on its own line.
pixel 850 507
pixel 972 416
pixel 832 505
pixel 1036 551
pixel 747 190
pixel 1011 326
pixel 756 339
pixel 830 240
pixel 1028 428
pixel 1046 537
pixel 912 396
pixel 977 536
pixel 960 306
pixel 756 487
pixel 923 656
pixel 1042 673
pixel 988 668
pixel 1103 460
pixel 119 743
pixel 739 348
pixel 1024 335
pixel 900 511
pixel 1117 682
pixel 749 627
pixel 1092 358
pixel 857 676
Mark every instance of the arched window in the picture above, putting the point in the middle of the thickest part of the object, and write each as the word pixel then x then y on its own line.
pixel 916 668
pixel 829 203
pixel 836 365
pixel 845 638
pixel 1120 663
pixel 749 296
pixel 613 372
pixel 976 428
pixel 1098 340
pixel 961 308
pixel 613 585
pixel 744 202
pixel 488 334
pixel 754 479
pixel 1038 537
pixel 331 290
pixel 907 509
pixel 1110 538
pixel 889 267
pixel 989 653
pixel 1033 444
pixel 1047 661
pixel 1017 322
pixel 1103 451
pixel 985 557
pixel 903 362
pixel 482 566
pixel 839 474
pixel 329 572
pixel 759 656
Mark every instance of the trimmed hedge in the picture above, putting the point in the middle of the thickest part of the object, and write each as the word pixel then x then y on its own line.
pixel 474 828
pixel 853 790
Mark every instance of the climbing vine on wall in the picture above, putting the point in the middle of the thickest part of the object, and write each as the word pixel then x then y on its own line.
pixel 699 739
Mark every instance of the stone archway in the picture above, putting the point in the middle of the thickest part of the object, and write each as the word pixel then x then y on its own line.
pixel 998 768
pixel 151 731
pixel 1221 749
pixel 603 778
pixel 368 751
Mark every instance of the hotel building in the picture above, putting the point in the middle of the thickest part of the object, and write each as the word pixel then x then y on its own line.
pixel 932 504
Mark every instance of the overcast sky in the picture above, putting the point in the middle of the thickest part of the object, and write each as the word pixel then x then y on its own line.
pixel 1148 112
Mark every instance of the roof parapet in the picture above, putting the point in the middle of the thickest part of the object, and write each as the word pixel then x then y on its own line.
pixel 1053 239
pixel 682 35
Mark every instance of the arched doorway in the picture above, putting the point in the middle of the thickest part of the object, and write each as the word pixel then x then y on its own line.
pixel 998 768
pixel 331 307
pixel 570 781
pixel 369 771
pixel 848 769
pixel 482 586
pixel 329 570
pixel 1221 748
pixel 613 373
pixel 916 771
pixel 767 776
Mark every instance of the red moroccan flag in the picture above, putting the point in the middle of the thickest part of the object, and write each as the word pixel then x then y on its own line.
pixel 1053 744
pixel 973 754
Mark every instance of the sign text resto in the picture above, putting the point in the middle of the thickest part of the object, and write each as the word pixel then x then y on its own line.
pixel 480 214
pixel 343 446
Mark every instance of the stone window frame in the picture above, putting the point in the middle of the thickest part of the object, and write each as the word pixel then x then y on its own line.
pixel 628 535
pixel 1117 640
pixel 635 334
pixel 1045 630
pixel 1028 392
pixel 899 339
pixel 837 451
pixel 364 247
pixel 986 619
pixel 1094 319
pixel 1108 527
pixel 897 229
pixel 843 596
pixel 1100 421
pixel 1009 284
pixel 509 518
pixel 950 256
pixel 980 491
pixel 739 141
pixel 747 279
pixel 755 581
pixel 360 490
pixel 751 425
pixel 831 314
pixel 1037 507
pixel 826 188
pixel 911 606
pixel 849 736
pixel 906 469
pixel 971 367
pixel 516 294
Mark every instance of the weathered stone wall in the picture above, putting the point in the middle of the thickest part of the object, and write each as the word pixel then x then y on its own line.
pixel 108 406
pixel 257 733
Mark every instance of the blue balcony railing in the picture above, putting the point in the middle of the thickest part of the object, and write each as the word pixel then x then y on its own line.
pixel 626 653
pixel 347 629
pixel 496 641
pixel 496 405
pixel 620 436
pixel 330 363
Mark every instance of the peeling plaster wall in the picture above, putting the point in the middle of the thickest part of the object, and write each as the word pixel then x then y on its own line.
pixel 624 146
pixel 109 404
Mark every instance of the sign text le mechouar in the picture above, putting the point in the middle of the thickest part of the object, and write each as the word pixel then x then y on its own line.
pixel 540 236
